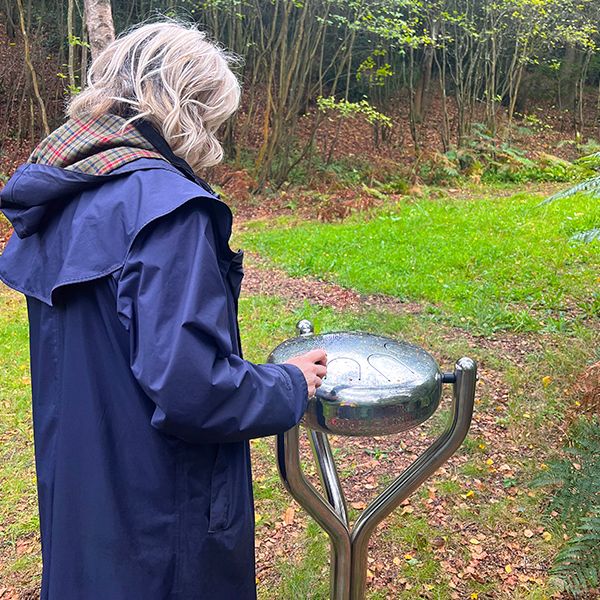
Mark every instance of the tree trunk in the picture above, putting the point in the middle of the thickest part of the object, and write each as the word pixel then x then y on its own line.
pixel 71 55
pixel 412 116
pixel 579 97
pixel 29 63
pixel 422 95
pixel 84 53
pixel 11 20
pixel 441 69
pixel 567 79
pixel 101 30
pixel 598 108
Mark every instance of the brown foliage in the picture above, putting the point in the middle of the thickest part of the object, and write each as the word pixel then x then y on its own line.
pixel 588 389
pixel 236 184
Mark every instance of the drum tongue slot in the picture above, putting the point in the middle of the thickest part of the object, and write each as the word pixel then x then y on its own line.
pixel 390 368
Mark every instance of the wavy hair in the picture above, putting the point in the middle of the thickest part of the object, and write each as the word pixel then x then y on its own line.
pixel 171 75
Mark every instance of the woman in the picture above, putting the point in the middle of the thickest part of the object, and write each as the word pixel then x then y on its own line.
pixel 142 404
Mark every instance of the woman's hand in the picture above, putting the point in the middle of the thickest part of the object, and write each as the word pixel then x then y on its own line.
pixel 313 365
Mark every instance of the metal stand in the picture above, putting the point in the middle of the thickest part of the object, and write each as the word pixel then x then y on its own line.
pixel 349 546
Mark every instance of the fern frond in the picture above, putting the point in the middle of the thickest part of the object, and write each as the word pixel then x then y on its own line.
pixel 586 236
pixel 576 498
pixel 557 473
pixel 578 563
pixel 591 161
pixel 590 186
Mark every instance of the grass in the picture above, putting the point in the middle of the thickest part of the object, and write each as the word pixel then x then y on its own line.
pixel 266 321
pixel 18 505
pixel 487 265
pixel 304 574
pixel 463 267
pixel 307 578
pixel 410 537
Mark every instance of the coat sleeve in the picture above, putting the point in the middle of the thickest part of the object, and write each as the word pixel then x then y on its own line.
pixel 172 299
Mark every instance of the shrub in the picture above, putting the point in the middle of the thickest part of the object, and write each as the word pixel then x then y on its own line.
pixel 439 169
pixel 483 158
pixel 590 187
pixel 575 483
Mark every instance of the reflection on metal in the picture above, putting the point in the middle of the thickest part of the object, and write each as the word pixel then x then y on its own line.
pixel 398 387
pixel 304 327
pixel 328 474
pixel 374 385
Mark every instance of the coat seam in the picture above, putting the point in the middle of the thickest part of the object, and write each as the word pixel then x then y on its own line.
pixel 224 521
pixel 19 176
pixel 179 497
pixel 58 337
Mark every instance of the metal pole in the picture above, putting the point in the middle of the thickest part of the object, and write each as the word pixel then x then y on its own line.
pixel 328 474
pixel 423 467
pixel 331 515
pixel 288 460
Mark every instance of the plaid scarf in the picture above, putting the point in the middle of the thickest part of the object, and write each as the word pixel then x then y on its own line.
pixel 95 146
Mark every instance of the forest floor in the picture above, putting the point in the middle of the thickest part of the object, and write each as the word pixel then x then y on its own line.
pixel 476 529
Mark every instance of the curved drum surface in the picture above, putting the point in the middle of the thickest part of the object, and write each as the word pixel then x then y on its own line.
pixel 374 386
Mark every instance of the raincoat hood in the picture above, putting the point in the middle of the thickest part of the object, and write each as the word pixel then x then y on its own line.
pixel 36 193
pixel 72 226
pixel 82 149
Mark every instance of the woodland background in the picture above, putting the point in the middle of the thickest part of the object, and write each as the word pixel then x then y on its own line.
pixel 442 85
pixel 423 169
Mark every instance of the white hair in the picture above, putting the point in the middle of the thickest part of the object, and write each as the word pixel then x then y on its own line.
pixel 171 75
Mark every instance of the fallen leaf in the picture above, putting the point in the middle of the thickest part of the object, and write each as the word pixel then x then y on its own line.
pixel 288 518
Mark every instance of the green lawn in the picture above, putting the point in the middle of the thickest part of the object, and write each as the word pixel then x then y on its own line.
pixel 19 559
pixel 490 264
pixel 476 267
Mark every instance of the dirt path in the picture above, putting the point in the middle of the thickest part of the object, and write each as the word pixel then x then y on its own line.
pixel 261 279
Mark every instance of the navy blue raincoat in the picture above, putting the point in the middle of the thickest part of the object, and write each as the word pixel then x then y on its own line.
pixel 142 404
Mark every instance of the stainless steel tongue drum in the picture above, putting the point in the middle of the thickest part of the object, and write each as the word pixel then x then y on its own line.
pixel 375 386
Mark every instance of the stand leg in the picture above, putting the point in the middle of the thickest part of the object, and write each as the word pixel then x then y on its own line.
pixel 288 459
pixel 328 474
pixel 423 467
pixel 349 550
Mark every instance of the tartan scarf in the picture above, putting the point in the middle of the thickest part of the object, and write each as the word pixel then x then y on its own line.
pixel 95 146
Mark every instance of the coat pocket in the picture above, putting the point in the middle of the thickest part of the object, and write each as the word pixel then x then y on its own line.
pixel 220 492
